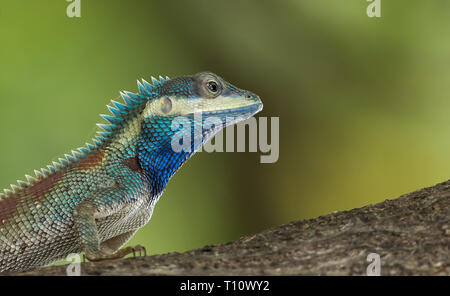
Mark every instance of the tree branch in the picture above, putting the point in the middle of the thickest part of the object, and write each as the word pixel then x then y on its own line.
pixel 411 234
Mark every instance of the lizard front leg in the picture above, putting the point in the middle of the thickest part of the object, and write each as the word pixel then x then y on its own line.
pixel 86 227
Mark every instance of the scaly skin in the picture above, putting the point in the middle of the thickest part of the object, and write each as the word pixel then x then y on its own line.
pixel 94 200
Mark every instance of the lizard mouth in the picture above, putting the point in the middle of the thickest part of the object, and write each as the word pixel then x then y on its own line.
pixel 229 117
pixel 245 111
pixel 226 117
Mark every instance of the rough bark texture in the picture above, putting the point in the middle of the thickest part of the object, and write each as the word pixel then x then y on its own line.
pixel 411 234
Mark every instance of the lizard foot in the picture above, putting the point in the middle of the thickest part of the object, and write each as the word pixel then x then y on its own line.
pixel 141 249
pixel 119 254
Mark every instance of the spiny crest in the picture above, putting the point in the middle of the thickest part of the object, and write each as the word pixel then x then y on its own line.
pixel 43 173
pixel 118 112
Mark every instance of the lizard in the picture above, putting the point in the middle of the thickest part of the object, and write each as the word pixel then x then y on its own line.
pixel 93 200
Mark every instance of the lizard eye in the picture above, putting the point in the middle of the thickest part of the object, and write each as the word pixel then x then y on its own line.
pixel 213 87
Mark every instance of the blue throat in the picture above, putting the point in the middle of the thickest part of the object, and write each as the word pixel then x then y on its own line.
pixel 155 154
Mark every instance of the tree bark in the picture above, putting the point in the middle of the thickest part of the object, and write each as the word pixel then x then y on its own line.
pixel 411 234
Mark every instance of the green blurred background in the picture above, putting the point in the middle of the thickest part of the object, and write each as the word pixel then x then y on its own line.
pixel 363 102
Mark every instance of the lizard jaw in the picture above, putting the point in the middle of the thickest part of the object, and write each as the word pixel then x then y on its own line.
pixel 246 110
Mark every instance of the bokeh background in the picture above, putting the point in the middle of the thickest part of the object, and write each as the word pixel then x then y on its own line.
pixel 363 102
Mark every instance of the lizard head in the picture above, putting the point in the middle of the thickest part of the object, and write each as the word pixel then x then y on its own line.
pixel 204 93
pixel 203 101
pixel 187 111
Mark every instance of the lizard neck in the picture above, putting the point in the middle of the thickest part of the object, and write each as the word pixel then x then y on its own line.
pixel 155 153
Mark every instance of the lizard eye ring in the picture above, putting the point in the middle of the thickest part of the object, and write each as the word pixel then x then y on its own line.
pixel 213 87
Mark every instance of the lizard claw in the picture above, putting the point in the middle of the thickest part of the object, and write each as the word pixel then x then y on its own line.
pixel 141 249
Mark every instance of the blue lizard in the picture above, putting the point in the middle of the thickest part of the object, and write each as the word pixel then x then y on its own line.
pixel 95 199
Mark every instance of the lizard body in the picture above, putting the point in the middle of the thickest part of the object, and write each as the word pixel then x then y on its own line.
pixel 94 200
